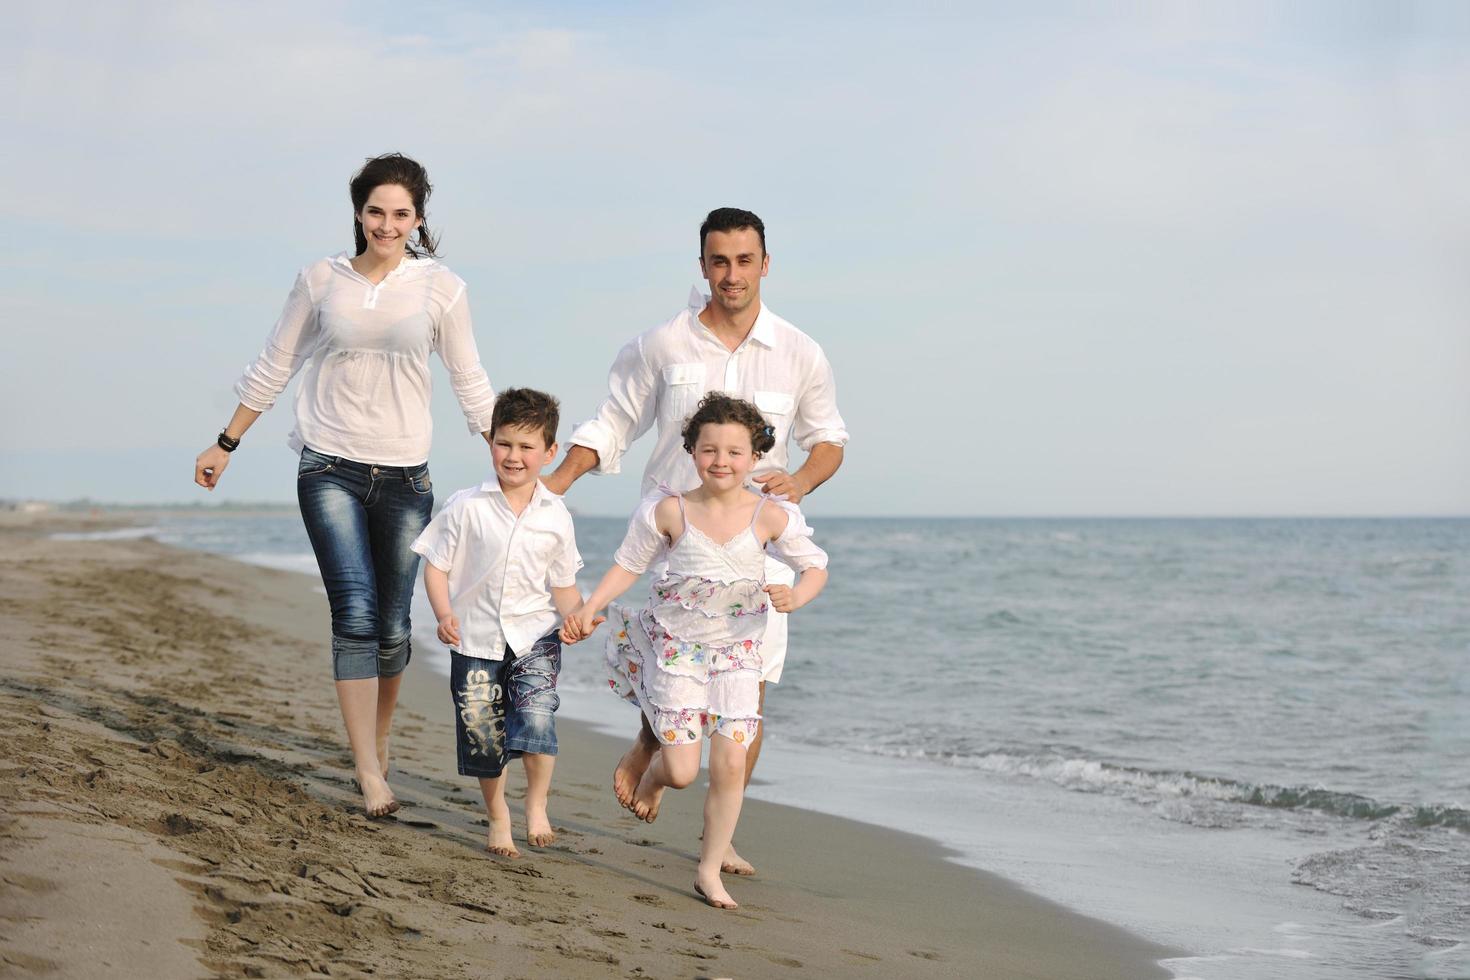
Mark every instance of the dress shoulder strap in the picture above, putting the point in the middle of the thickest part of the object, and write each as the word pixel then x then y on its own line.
pixel 758 505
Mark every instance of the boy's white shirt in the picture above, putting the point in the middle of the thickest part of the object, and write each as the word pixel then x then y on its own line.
pixel 501 567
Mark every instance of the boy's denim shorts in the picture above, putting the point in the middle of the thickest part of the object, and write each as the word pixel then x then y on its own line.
pixel 505 708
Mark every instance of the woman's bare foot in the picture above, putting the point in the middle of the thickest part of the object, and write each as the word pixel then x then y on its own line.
pixel 712 890
pixel 538 827
pixel 646 799
pixel 383 754
pixel 734 864
pixel 630 770
pixel 377 798
pixel 499 840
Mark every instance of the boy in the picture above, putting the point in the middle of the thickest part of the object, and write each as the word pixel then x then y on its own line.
pixel 500 569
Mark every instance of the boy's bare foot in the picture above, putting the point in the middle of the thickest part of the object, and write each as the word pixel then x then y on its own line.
pixel 734 864
pixel 377 798
pixel 499 840
pixel 538 827
pixel 714 894
pixel 630 770
pixel 646 799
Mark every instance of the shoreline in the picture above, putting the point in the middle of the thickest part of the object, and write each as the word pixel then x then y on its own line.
pixel 136 667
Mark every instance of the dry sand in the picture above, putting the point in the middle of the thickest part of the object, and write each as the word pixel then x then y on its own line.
pixel 175 802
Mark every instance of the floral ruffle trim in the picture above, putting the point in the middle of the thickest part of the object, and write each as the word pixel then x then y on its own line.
pixel 700 595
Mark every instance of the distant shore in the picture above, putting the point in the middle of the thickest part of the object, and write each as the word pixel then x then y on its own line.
pixel 178 804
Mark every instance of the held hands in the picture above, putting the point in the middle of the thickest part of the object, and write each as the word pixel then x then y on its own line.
pixel 783 599
pixel 209 466
pixel 779 483
pixel 580 625
pixel 449 629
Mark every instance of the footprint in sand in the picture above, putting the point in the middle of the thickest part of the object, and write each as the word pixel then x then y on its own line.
pixel 648 900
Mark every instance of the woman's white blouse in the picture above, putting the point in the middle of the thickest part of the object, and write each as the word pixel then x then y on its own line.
pixel 365 393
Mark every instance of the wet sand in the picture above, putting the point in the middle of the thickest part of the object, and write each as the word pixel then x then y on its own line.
pixel 177 802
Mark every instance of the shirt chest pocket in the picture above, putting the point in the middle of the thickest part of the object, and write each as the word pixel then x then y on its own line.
pixel 683 387
pixel 776 406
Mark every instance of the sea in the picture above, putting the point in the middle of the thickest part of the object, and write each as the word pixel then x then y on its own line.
pixel 1246 739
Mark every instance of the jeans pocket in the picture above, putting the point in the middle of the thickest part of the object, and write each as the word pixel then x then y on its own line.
pixel 313 462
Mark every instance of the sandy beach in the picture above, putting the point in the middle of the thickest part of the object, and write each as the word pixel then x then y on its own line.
pixel 177 803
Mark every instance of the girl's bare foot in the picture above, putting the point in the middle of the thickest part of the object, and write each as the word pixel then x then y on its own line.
pixel 646 799
pixel 630 770
pixel 713 892
pixel 538 827
pixel 734 864
pixel 377 798
pixel 499 840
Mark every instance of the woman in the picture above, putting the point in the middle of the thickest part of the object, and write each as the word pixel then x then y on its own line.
pixel 363 326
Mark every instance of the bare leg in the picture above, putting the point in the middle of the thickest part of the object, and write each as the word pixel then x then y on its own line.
pixel 734 864
pixel 359 701
pixel 538 785
pixel 674 768
pixel 721 812
pixel 635 763
pixel 387 701
pixel 499 840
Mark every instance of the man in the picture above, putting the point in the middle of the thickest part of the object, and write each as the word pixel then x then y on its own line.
pixel 726 341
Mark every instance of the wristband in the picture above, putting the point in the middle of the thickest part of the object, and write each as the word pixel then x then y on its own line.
pixel 226 443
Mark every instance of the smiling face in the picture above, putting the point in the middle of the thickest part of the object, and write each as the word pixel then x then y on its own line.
pixel 519 454
pixel 388 221
pixel 734 263
pixel 722 454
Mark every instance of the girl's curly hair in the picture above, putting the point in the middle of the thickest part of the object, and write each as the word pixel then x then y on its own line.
pixel 718 408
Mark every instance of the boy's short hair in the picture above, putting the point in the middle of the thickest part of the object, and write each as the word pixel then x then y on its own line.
pixel 527 408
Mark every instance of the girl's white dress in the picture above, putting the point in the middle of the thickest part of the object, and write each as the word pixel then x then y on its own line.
pixel 691 658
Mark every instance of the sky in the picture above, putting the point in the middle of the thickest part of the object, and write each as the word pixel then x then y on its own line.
pixel 1094 259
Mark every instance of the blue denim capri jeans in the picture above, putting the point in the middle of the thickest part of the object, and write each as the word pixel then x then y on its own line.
pixel 361 519
pixel 505 708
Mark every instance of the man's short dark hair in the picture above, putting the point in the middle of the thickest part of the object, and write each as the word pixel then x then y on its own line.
pixel 731 219
pixel 526 408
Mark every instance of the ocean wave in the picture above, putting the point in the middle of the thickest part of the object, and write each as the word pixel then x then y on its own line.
pixel 114 534
pixel 1162 786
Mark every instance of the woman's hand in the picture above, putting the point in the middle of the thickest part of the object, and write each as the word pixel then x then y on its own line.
pixel 209 465
pixel 449 630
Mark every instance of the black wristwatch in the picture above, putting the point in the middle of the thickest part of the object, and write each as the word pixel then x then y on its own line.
pixel 226 443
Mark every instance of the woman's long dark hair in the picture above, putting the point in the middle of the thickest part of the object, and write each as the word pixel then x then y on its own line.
pixel 393 168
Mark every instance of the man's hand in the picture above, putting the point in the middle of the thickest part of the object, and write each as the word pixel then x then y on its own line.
pixel 449 630
pixel 557 483
pixel 779 483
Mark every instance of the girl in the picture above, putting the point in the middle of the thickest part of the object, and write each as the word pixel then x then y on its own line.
pixel 363 325
pixel 691 658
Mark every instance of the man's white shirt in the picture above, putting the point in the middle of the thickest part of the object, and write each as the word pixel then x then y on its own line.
pixel 660 376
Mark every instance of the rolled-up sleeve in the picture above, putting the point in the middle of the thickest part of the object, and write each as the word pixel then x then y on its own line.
pixel 455 344
pixel 627 412
pixel 286 349
pixel 817 419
